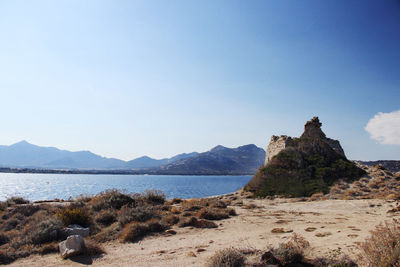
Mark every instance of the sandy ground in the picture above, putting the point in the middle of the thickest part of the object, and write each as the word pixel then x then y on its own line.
pixel 337 223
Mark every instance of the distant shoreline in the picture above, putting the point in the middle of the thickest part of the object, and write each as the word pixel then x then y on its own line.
pixel 109 172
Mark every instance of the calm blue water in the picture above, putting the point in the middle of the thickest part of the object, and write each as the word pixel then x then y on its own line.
pixel 63 186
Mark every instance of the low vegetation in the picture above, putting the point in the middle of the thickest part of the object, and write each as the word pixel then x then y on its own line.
pixel 229 257
pixel 382 248
pixel 36 228
pixel 291 253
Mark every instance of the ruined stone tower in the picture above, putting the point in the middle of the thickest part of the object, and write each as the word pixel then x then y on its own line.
pixel 312 129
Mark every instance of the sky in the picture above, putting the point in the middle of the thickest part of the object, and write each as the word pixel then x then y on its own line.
pixel 125 79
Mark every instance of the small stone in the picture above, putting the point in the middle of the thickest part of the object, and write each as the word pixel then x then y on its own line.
pixel 200 250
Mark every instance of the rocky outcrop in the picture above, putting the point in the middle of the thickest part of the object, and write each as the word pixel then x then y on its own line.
pixel 73 245
pixel 303 166
pixel 312 129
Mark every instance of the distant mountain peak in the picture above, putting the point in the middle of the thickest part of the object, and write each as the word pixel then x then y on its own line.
pixel 22 143
pixel 217 148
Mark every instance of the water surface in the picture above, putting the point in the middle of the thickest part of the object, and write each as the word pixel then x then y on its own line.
pixel 34 186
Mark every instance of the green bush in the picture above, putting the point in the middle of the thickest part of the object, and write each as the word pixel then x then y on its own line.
pixel 74 216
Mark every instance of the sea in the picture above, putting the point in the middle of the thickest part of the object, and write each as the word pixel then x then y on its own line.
pixel 34 186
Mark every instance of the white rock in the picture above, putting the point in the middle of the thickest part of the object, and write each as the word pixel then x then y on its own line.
pixel 76 229
pixel 73 245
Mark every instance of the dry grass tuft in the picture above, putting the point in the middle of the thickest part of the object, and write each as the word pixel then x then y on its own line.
pixel 382 248
pixel 229 257
pixel 293 251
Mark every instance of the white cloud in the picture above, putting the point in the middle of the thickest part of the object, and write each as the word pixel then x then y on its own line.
pixel 385 128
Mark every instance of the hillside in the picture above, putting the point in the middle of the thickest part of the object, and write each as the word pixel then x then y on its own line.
pixel 391 165
pixel 303 166
pixel 219 160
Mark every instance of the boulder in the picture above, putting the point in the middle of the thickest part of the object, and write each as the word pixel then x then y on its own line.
pixel 73 245
pixel 76 229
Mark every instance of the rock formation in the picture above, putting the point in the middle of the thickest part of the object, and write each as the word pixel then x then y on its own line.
pixel 302 166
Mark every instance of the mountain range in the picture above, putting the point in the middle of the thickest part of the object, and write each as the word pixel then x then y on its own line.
pixel 219 160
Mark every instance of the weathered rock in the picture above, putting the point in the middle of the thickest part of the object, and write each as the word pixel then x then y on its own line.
pixel 303 166
pixel 76 229
pixel 72 246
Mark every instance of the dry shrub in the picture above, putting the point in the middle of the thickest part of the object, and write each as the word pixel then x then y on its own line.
pixel 170 219
pixel 194 204
pixel 108 234
pixel 106 217
pixel 212 213
pixel 48 248
pixel 43 232
pixel 3 206
pixel 25 210
pixel 154 196
pixel 111 199
pixel 143 213
pixel 11 223
pixel 316 196
pixel 16 201
pixel 250 206
pixel 193 221
pixel 156 226
pixel 74 216
pixel 229 257
pixel 293 250
pixel 176 201
pixel 218 204
pixel 382 248
pixel 232 212
pixel 4 239
pixel 133 232
pixel 93 249
pixel 175 210
pixel 6 257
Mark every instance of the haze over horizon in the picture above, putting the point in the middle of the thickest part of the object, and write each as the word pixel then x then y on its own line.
pixel 124 79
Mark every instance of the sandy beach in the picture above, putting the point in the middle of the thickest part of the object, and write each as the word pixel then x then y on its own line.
pixel 329 225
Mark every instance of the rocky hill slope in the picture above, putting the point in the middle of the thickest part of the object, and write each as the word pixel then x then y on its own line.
pixel 390 165
pixel 219 160
pixel 303 166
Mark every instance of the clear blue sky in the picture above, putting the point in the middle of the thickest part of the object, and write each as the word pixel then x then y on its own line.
pixel 130 78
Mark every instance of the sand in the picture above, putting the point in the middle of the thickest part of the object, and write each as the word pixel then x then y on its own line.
pixel 338 224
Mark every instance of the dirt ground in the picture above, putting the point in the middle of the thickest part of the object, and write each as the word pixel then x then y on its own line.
pixel 329 225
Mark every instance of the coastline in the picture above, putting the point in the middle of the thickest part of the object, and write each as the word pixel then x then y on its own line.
pixel 112 172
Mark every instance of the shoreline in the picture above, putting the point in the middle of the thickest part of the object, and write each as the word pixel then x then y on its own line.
pixel 111 172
